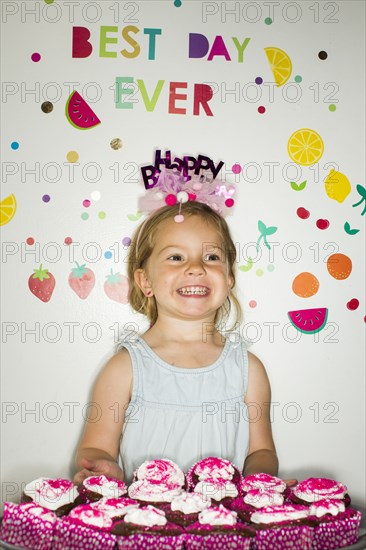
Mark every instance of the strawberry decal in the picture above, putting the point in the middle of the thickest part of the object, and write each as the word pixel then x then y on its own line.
pixel 82 280
pixel 41 284
pixel 116 287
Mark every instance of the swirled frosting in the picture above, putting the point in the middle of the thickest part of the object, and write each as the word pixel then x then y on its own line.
pixel 115 506
pixel 153 492
pixel 326 506
pixel 147 515
pixel 319 488
pixel 216 489
pixel 51 493
pixel 87 515
pixel 161 471
pixel 214 468
pixel 217 515
pixel 190 503
pixel 260 499
pixel 264 482
pixel 280 514
pixel 107 487
pixel 42 513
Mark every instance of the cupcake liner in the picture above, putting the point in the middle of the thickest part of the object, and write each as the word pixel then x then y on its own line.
pixel 296 537
pixel 150 542
pixel 21 528
pixel 337 532
pixel 216 542
pixel 72 536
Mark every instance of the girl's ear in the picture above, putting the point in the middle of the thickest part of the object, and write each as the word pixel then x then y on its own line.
pixel 143 282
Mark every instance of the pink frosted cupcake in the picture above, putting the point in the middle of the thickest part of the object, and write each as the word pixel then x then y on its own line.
pixel 263 482
pixel 318 488
pixel 218 528
pixel 215 478
pixel 184 508
pixel 85 527
pixel 58 495
pixel 253 499
pixel 157 482
pixel 279 527
pixel 147 528
pixel 335 526
pixel 28 525
pixel 94 488
pixel 146 492
pixel 115 507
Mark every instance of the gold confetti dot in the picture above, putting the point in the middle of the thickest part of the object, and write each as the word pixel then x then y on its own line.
pixel 116 144
pixel 72 156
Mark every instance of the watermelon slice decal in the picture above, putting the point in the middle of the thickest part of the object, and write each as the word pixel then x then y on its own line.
pixel 79 114
pixel 309 321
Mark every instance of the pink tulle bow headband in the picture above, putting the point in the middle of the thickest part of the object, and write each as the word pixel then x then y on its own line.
pixel 183 180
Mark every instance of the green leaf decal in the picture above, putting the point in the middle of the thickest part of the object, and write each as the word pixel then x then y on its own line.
pixel 350 231
pixel 298 187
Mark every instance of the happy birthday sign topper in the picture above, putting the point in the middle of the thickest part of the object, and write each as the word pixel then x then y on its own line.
pixel 151 172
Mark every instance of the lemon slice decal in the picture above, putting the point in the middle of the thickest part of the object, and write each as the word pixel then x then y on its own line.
pixel 337 186
pixel 280 64
pixel 305 147
pixel 8 208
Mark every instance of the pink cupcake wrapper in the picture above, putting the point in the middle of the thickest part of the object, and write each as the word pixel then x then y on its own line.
pixel 71 536
pixel 21 528
pixel 296 537
pixel 150 542
pixel 336 533
pixel 217 542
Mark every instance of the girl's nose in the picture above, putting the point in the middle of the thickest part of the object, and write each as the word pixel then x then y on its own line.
pixel 195 268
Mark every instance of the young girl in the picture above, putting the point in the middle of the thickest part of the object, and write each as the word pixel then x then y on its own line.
pixel 181 390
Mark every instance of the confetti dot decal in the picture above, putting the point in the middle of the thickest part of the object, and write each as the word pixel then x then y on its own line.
pixel 36 57
pixel 259 272
pixel 46 198
pixel 177 3
pixel 47 107
pixel 322 224
pixel 72 156
pixel 116 144
pixel 252 303
pixel 30 241
pixel 49 1
pixel 108 255
pixel 270 267
pixel 261 109
pixel 68 240
pixel 84 216
pixel 268 21
pixel 332 108
pixel 339 266
pixel 259 80
pixel 236 168
pixel 322 55
pixel 126 241
pixel 14 145
pixel 305 285
pixel 95 195
pixel 298 78
pixel 86 203
pixel 101 215
pixel 353 304
pixel 302 213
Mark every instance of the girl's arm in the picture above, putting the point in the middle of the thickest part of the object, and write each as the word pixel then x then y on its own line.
pixel 98 449
pixel 262 457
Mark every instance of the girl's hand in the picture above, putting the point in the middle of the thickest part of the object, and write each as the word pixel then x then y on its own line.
pixel 98 467
pixel 290 482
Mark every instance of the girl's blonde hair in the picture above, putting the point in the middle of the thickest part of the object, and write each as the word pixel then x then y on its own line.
pixel 143 242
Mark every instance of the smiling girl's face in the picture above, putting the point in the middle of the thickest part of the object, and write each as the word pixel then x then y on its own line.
pixel 187 271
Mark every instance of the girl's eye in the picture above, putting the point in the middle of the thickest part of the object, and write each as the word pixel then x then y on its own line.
pixel 175 256
pixel 214 256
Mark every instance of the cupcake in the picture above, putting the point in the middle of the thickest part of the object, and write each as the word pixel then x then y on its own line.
pixel 220 492
pixel 279 527
pixel 253 499
pixel 115 507
pixel 162 471
pixel 58 495
pixel 94 488
pixel 263 482
pixel 85 527
pixel 147 528
pixel 335 526
pixel 218 528
pixel 28 525
pixel 184 508
pixel 153 493
pixel 319 488
pixel 215 478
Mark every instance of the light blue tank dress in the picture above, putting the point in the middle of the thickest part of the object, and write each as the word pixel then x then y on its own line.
pixel 185 414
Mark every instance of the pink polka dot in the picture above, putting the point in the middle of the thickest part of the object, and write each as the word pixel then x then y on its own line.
pixel 68 240
pixel 261 109
pixel 86 203
pixel 252 303
pixel 30 240
pixel 171 199
pixel 36 57
pixel 236 168
pixel 229 202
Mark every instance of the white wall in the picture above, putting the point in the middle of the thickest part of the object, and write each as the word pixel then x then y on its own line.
pixel 317 381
